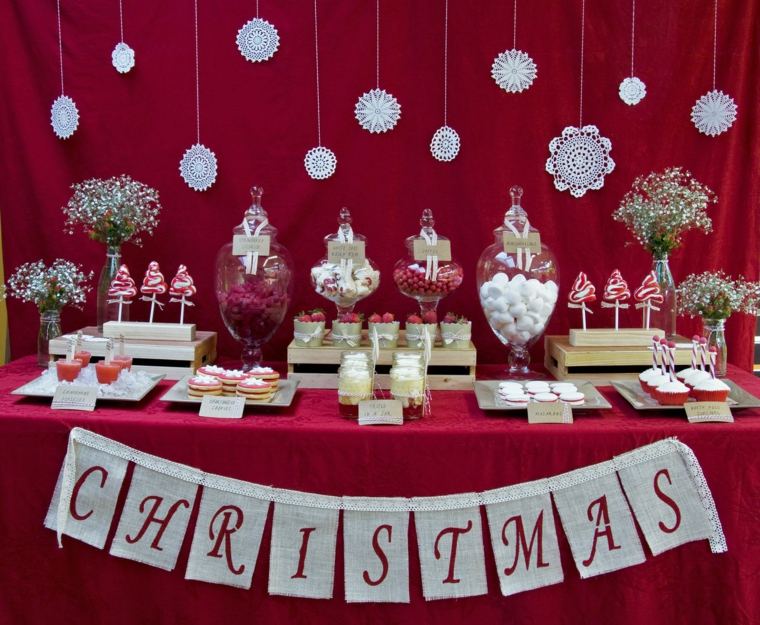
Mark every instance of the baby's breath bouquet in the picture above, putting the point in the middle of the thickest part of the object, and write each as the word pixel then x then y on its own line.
pixel 662 206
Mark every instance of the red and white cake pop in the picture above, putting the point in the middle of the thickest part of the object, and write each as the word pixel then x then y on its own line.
pixel 122 288
pixel 181 288
pixel 582 293
pixel 647 295
pixel 615 293
pixel 153 284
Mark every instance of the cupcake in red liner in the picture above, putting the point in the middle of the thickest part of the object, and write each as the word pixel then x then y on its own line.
pixel 644 377
pixel 711 390
pixel 655 381
pixel 696 378
pixel 673 393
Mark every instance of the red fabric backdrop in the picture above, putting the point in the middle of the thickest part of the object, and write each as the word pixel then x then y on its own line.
pixel 260 120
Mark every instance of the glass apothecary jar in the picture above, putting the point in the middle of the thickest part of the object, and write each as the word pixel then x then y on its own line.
pixel 354 382
pixel 345 274
pixel 427 273
pixel 408 383
pixel 254 281
pixel 518 284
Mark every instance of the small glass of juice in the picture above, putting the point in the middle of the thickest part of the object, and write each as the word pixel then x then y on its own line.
pixel 107 372
pixel 124 361
pixel 68 370
pixel 83 356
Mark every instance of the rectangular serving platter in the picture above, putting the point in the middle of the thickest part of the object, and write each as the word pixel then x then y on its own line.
pixel 283 397
pixel 636 396
pixel 485 391
pixel 28 390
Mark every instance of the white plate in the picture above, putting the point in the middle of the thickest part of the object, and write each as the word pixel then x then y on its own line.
pixel 283 396
pixel 28 390
pixel 640 400
pixel 485 392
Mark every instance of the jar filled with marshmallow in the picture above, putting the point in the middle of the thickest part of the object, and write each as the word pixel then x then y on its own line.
pixel 408 383
pixel 345 274
pixel 354 382
pixel 518 282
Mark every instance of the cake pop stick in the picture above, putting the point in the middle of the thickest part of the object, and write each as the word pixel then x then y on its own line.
pixel 713 359
pixel 181 288
pixel 672 360
pixel 153 284
pixel 655 350
pixel 694 345
pixel 648 294
pixel 582 292
pixel 616 291
pixel 663 356
pixel 702 351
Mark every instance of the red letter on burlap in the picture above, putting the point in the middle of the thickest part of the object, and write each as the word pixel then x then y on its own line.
pixel 521 542
pixel 455 532
pixel 152 518
pixel 602 518
pixel 225 532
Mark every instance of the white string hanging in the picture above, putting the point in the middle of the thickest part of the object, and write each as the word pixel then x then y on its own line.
pixel 632 90
pixel 320 162
pixel 377 110
pixel 445 143
pixel 715 112
pixel 198 166
pixel 258 39
pixel 580 158
pixel 122 57
pixel 513 70
pixel 64 115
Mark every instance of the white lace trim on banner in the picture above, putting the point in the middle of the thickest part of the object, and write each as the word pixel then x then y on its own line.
pixel 458 501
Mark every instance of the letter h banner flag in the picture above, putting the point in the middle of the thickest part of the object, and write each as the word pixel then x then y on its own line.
pixel 658 489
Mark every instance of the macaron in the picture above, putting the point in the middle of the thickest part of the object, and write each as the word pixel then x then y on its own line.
pixel 564 387
pixel 517 399
pixel 200 385
pixel 537 386
pixel 255 389
pixel 545 398
pixel 510 386
pixel 572 398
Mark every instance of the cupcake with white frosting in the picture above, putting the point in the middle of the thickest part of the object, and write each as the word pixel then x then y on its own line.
pixel 711 389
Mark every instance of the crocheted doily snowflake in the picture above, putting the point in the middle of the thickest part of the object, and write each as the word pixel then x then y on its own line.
pixel 198 167
pixel 123 58
pixel 445 144
pixel 64 116
pixel 632 91
pixel 377 111
pixel 579 160
pixel 258 40
pixel 514 71
pixel 320 162
pixel 714 113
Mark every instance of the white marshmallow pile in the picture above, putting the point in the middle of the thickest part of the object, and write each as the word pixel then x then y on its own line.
pixel 518 309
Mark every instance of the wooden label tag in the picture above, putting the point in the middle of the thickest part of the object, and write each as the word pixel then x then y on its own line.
pixel 380 412
pixel 243 244
pixel 222 407
pixel 442 249
pixel 340 250
pixel 708 411
pixel 68 397
pixel 549 412
pixel 512 242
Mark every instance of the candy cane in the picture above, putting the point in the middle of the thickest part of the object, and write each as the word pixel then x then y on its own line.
pixel 655 349
pixel 702 350
pixel 713 359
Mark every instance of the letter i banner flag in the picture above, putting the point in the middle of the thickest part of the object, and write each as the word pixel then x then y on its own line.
pixel 658 489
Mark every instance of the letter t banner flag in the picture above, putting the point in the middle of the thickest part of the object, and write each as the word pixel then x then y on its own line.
pixel 599 526
pixel 450 543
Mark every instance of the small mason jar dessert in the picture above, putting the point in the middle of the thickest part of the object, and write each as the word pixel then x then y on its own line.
pixel 408 383
pixel 354 382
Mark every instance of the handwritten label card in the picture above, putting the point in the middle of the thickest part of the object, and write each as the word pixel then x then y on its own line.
pixel 68 397
pixel 554 412
pixel 242 245
pixel 442 249
pixel 340 250
pixel 380 412
pixel 708 411
pixel 222 407
pixel 511 242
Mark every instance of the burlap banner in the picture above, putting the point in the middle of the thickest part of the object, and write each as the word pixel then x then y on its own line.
pixel 660 487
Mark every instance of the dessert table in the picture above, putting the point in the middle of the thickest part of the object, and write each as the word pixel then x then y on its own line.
pixel 308 447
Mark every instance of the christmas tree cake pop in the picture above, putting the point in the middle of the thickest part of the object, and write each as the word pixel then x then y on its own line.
pixel 581 294
pixel 181 288
pixel 647 295
pixel 122 289
pixel 153 284
pixel 615 293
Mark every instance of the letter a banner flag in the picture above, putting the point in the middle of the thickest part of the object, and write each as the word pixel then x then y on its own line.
pixel 659 487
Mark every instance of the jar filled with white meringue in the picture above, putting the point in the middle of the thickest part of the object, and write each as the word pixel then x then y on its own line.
pixel 345 274
pixel 518 283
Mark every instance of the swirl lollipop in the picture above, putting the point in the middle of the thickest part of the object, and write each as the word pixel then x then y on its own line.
pixel 581 293
pixel 615 292
pixel 122 289
pixel 153 284
pixel 181 288
pixel 647 295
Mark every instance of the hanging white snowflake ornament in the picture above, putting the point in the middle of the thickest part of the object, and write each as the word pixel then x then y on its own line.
pixel 377 111
pixel 64 116
pixel 320 162
pixel 198 167
pixel 514 71
pixel 579 160
pixel 123 58
pixel 632 90
pixel 445 144
pixel 714 113
pixel 258 40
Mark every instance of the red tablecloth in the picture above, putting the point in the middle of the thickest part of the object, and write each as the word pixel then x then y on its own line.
pixel 308 447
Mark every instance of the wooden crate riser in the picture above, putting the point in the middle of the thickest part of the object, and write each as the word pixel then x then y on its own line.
pixel 156 331
pixel 437 382
pixel 609 337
